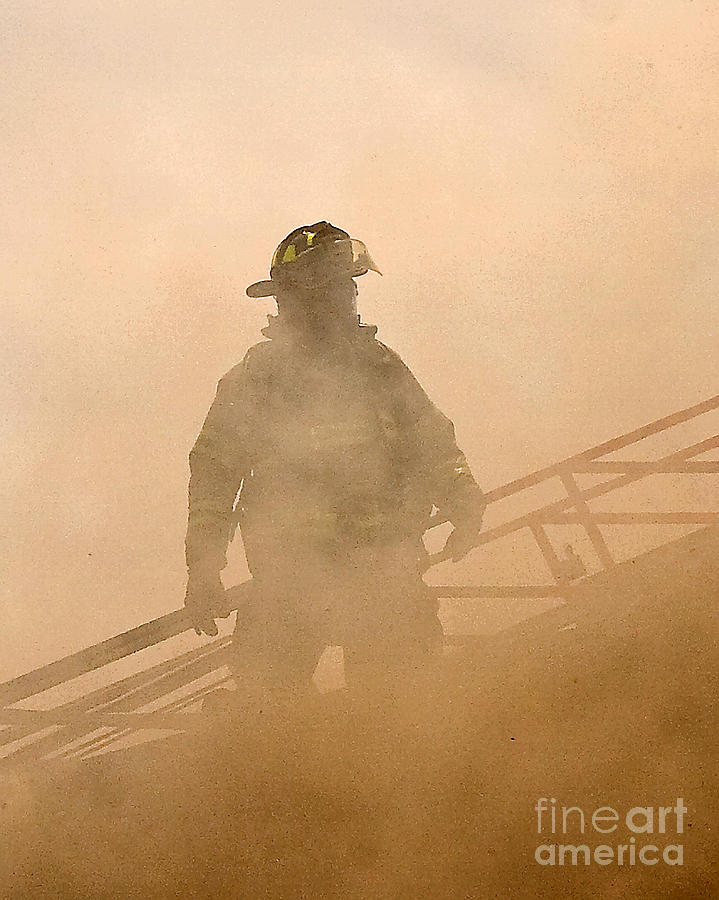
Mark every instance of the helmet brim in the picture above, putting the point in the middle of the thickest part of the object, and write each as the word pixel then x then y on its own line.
pixel 266 288
pixel 363 263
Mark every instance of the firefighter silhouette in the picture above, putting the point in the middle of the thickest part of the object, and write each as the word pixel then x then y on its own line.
pixel 329 454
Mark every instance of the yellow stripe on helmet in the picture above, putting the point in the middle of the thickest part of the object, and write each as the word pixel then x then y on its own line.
pixel 289 254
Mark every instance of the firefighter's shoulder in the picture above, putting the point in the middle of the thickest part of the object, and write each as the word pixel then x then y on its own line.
pixel 389 359
pixel 256 360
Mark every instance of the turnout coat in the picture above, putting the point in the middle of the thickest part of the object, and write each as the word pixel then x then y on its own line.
pixel 334 448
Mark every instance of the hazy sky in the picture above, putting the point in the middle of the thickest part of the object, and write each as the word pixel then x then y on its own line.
pixel 537 181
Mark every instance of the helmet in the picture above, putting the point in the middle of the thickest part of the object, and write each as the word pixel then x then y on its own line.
pixel 313 255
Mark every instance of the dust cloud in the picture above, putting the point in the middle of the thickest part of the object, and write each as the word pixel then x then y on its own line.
pixel 427 794
pixel 537 182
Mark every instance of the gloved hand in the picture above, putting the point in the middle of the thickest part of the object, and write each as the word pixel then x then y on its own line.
pixel 466 514
pixel 204 601
pixel 460 542
pixel 467 526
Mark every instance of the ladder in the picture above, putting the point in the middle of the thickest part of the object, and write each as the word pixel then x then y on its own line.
pixel 157 697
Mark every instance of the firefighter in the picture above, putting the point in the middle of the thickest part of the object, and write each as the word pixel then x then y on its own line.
pixel 330 455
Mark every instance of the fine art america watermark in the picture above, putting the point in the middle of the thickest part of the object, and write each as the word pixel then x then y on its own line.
pixel 643 835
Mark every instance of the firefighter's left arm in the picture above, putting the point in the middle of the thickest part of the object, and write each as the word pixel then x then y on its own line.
pixel 437 458
pixel 456 495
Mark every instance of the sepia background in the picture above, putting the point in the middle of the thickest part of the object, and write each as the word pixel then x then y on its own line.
pixel 537 182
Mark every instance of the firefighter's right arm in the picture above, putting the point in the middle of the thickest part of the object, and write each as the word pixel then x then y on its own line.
pixel 217 467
